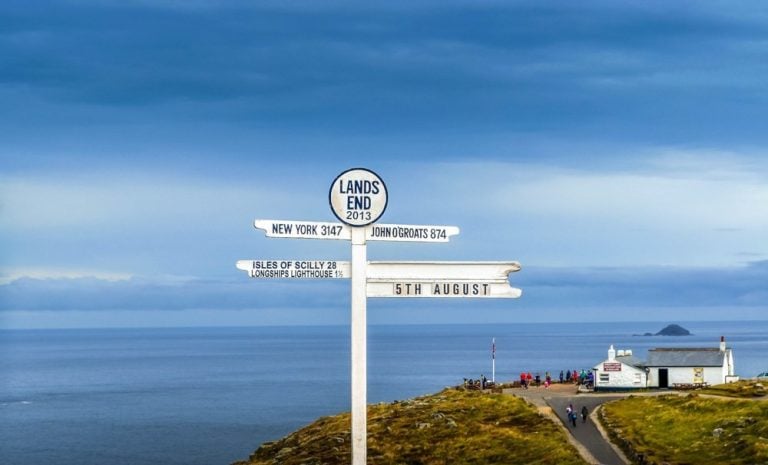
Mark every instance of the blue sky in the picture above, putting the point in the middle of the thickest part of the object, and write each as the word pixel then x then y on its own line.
pixel 617 150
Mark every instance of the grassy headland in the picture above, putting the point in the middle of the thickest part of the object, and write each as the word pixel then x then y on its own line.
pixel 690 429
pixel 745 389
pixel 450 427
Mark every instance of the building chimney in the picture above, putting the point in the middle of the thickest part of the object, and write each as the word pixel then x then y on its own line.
pixel 611 353
pixel 722 343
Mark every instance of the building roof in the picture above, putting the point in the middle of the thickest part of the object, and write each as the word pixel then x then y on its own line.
pixel 685 357
pixel 630 360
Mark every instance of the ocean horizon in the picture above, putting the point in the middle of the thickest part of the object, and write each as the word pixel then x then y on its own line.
pixel 212 395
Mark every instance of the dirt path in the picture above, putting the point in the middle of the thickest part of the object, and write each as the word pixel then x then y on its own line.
pixel 586 435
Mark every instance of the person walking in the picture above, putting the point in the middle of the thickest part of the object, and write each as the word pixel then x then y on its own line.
pixel 571 414
pixel 584 414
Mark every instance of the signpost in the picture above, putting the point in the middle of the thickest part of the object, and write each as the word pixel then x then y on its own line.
pixel 358 198
pixel 374 232
pixel 286 269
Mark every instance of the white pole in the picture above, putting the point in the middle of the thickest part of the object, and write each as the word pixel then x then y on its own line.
pixel 493 363
pixel 358 324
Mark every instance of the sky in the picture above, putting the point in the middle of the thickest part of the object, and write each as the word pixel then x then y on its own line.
pixel 617 150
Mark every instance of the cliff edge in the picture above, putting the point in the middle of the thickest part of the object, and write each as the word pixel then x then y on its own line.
pixel 452 426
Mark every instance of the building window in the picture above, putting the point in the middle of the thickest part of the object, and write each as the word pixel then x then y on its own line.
pixel 605 378
pixel 638 378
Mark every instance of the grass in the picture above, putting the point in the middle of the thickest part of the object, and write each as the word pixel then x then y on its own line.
pixel 743 389
pixel 690 429
pixel 450 427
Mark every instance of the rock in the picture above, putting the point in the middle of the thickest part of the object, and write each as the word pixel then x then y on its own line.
pixel 717 432
pixel 283 452
pixel 423 425
pixel 674 330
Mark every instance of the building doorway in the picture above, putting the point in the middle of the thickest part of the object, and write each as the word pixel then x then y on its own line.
pixel 663 378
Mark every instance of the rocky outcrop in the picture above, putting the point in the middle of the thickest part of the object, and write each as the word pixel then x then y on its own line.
pixel 673 330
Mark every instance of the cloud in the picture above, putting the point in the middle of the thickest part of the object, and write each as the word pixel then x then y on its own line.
pixel 656 212
pixel 652 211
pixel 554 289
pixel 521 66
pixel 161 293
pixel 612 287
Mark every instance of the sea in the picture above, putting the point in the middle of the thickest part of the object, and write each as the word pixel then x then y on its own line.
pixel 207 396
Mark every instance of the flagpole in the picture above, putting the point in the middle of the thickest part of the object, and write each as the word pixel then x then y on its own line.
pixel 493 363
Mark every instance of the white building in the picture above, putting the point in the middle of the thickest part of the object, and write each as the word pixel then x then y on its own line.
pixel 665 367
pixel 670 367
pixel 620 371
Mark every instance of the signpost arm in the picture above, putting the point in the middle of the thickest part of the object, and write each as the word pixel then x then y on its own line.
pixel 359 349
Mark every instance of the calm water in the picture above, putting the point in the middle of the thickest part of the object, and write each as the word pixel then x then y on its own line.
pixel 212 395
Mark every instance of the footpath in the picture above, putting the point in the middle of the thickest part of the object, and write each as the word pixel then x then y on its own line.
pixel 553 402
pixel 588 438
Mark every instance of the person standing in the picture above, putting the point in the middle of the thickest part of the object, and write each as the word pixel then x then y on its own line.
pixel 571 414
pixel 561 376
pixel 584 414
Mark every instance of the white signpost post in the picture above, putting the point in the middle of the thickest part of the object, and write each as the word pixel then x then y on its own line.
pixel 358 198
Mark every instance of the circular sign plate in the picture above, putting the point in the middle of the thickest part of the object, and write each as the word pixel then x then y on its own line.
pixel 358 197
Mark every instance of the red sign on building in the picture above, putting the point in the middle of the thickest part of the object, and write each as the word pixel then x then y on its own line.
pixel 611 366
